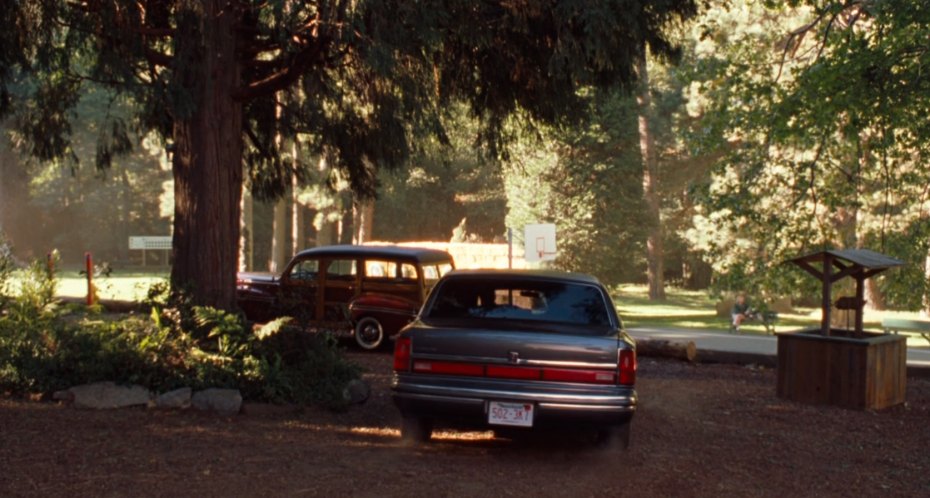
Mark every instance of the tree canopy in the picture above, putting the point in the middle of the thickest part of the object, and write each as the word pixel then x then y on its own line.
pixel 226 83
pixel 820 109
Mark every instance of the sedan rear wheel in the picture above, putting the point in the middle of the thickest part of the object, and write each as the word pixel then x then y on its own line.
pixel 369 334
pixel 415 430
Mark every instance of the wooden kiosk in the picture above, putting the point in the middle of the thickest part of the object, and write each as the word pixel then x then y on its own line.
pixel 850 367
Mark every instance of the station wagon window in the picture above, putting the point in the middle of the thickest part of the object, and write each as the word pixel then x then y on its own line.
pixel 380 269
pixel 305 271
pixel 435 272
pixel 408 271
pixel 341 269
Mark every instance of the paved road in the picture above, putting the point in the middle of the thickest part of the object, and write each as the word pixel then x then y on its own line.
pixel 750 344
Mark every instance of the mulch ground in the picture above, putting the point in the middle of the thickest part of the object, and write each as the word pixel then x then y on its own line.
pixel 701 430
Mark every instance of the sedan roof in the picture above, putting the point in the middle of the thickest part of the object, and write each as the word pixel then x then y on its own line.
pixel 387 251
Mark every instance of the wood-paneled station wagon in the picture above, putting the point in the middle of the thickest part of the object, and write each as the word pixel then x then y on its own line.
pixel 369 292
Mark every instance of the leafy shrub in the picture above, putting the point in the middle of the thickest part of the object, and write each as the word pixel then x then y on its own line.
pixel 45 348
pixel 7 265
pixel 302 367
pixel 278 362
pixel 27 338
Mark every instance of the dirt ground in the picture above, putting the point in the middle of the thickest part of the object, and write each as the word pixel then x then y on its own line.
pixel 702 430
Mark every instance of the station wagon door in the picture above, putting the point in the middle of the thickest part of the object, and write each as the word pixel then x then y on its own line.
pixel 299 286
pixel 339 287
pixel 395 279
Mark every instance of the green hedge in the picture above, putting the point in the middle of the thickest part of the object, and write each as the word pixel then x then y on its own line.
pixel 46 347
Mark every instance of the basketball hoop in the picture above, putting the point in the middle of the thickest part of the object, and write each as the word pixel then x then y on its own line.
pixel 539 240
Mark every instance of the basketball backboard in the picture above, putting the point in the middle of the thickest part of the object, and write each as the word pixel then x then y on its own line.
pixel 540 242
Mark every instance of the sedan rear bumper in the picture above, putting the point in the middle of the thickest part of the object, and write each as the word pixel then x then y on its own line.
pixel 554 403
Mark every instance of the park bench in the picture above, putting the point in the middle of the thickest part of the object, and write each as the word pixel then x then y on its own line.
pixel 896 325
pixel 766 317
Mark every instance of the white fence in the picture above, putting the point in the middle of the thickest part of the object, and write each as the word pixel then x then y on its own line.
pixel 150 243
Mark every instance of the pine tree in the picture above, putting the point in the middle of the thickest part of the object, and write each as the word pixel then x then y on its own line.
pixel 356 81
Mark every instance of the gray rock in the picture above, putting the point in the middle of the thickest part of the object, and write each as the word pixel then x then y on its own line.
pixel 356 392
pixel 221 401
pixel 179 398
pixel 102 395
pixel 66 396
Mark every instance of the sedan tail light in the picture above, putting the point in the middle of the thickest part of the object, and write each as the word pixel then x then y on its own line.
pixel 585 376
pixel 625 374
pixel 626 367
pixel 448 368
pixel 402 350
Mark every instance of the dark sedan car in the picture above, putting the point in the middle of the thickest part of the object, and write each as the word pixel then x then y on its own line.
pixel 516 350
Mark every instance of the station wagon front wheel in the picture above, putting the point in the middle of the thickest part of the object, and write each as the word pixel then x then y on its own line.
pixel 369 334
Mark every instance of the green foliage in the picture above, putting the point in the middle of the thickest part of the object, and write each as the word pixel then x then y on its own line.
pixel 229 331
pixel 35 299
pixel 588 181
pixel 908 287
pixel 814 108
pixel 71 204
pixel 443 183
pixel 157 295
pixel 126 351
pixel 355 83
pixel 301 367
pixel 7 265
pixel 44 348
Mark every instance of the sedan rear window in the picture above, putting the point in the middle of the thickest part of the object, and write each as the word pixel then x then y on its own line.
pixel 543 301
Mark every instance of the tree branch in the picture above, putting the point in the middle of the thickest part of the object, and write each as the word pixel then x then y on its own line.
pixel 313 38
pixel 154 32
pixel 256 47
pixel 257 143
pixel 283 78
pixel 796 37
pixel 158 58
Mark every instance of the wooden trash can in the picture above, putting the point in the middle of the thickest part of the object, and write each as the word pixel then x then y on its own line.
pixel 858 370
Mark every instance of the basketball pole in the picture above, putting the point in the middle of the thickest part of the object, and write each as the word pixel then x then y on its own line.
pixel 509 248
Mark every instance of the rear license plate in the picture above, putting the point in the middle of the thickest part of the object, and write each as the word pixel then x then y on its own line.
pixel 518 414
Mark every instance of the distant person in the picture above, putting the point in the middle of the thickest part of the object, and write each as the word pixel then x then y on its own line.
pixel 740 311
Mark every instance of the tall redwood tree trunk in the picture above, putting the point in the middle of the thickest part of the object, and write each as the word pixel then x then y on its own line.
pixel 363 216
pixel 298 230
pixel 279 231
pixel 926 310
pixel 246 231
pixel 208 157
pixel 655 253
pixel 279 243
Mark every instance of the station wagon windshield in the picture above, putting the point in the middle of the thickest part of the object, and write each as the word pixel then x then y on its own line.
pixel 543 301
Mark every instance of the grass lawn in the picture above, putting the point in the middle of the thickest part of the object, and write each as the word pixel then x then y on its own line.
pixel 686 309
pixel 125 286
pixel 683 309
